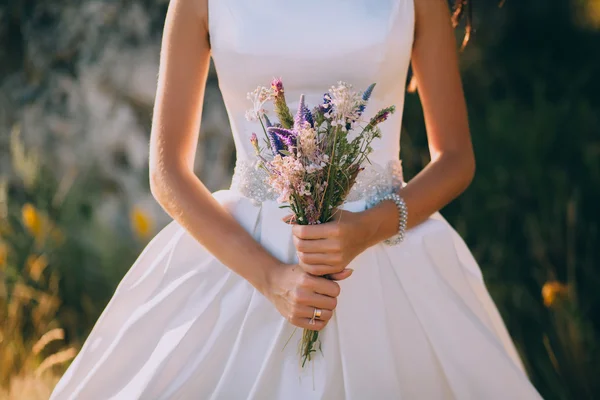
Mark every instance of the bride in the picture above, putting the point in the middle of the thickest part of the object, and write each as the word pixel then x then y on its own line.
pixel 207 310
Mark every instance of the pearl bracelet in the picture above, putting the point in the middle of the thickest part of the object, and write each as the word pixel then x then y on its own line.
pixel 402 220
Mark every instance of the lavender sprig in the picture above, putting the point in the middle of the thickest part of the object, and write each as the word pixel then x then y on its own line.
pixel 275 142
pixel 303 115
pixel 287 136
pixel 366 96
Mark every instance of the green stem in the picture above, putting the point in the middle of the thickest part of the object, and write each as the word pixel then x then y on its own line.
pixel 331 162
pixel 309 337
pixel 264 130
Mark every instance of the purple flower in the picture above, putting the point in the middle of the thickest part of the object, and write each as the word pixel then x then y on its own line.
pixel 277 85
pixel 382 115
pixel 276 144
pixel 303 115
pixel 366 96
pixel 274 139
pixel 367 93
pixel 286 136
pixel 326 106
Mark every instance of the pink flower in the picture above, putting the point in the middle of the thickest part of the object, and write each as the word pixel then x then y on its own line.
pixel 281 108
pixel 277 86
pixel 287 175
pixel 254 141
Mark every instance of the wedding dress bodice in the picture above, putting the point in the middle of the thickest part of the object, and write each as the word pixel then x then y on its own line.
pixel 254 41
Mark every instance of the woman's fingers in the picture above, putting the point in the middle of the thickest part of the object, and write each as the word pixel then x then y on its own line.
pixel 313 293
pixel 323 286
pixel 330 259
pixel 302 317
pixel 321 231
pixel 340 276
pixel 322 302
pixel 329 245
pixel 320 269
pixel 308 312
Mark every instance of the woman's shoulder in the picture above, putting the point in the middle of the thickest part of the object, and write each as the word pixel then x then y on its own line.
pixel 194 10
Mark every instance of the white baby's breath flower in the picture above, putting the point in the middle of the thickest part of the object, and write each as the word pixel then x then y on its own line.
pixel 314 168
pixel 258 97
pixel 304 189
pixel 251 115
pixel 307 143
pixel 345 105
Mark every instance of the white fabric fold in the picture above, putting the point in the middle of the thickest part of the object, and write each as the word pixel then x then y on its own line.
pixel 411 322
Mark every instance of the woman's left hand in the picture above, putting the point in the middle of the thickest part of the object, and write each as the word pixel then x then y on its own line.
pixel 327 249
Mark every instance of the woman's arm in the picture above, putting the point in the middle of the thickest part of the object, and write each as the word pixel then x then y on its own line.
pixel 328 248
pixel 452 166
pixel 184 63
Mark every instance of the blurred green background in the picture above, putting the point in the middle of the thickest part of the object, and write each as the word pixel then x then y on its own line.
pixel 77 80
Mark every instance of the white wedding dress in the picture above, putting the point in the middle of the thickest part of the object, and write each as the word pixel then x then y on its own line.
pixel 414 321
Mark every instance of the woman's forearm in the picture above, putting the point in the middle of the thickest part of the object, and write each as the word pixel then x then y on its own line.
pixel 187 200
pixel 440 182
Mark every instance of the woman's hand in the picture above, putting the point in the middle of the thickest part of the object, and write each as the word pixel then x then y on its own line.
pixel 327 249
pixel 296 294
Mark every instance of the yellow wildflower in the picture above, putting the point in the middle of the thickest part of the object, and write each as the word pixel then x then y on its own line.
pixel 141 223
pixel 36 266
pixel 32 220
pixel 552 290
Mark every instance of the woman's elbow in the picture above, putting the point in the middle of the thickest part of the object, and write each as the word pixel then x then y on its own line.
pixel 162 184
pixel 157 184
pixel 468 169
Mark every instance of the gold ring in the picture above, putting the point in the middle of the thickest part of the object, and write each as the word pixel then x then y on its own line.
pixel 317 313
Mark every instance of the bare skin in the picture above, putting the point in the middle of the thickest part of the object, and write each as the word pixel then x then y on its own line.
pixel 184 64
pixel 296 290
pixel 329 248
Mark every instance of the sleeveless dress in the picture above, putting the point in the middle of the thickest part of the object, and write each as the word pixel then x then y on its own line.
pixel 414 321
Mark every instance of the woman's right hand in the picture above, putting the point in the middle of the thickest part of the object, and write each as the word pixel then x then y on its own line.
pixel 296 294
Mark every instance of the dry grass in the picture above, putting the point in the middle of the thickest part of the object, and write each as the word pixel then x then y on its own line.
pixel 26 366
pixel 28 308
pixel 30 337
pixel 30 387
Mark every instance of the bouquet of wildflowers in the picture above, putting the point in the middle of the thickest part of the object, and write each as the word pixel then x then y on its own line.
pixel 313 158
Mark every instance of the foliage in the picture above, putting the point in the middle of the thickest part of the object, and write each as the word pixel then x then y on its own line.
pixel 531 215
pixel 58 265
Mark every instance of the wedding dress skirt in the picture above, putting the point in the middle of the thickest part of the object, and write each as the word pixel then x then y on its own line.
pixel 414 321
